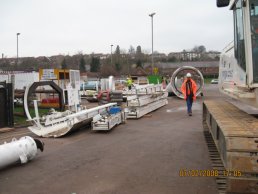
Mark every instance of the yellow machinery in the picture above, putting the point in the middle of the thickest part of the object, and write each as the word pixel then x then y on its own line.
pixel 63 78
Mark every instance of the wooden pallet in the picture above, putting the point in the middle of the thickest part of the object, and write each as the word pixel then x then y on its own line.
pixel 235 134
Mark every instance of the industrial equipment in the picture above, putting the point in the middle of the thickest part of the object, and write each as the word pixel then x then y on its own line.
pixel 89 90
pixel 57 124
pixel 105 122
pixel 108 92
pixel 31 91
pixel 64 79
pixel 143 99
pixel 105 97
pixel 61 77
pixel 22 150
pixel 107 84
pixel 178 77
pixel 234 132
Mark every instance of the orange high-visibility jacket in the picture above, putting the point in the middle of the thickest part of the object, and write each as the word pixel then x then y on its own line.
pixel 194 88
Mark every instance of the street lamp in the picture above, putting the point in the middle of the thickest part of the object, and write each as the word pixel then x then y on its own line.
pixel 111 54
pixel 152 63
pixel 17 47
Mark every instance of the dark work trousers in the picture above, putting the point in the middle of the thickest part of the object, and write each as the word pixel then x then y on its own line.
pixel 189 102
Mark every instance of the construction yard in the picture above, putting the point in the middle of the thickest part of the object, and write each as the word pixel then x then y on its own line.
pixel 141 156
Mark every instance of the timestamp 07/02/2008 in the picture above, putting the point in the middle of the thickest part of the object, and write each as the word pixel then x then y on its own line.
pixel 208 173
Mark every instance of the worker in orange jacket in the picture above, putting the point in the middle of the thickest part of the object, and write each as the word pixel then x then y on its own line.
pixel 189 89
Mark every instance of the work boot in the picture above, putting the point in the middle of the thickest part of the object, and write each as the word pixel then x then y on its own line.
pixel 190 114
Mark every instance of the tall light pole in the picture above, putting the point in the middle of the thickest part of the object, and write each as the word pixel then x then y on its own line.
pixel 17 47
pixel 152 63
pixel 111 54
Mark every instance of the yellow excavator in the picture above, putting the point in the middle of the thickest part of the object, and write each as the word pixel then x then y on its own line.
pixel 231 133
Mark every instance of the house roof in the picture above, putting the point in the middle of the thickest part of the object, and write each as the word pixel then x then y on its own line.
pixel 89 74
pixel 138 71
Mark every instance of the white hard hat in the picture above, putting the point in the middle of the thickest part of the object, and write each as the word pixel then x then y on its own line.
pixel 188 75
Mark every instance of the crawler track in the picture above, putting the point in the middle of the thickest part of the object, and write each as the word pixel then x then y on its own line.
pixel 232 138
pixel 217 164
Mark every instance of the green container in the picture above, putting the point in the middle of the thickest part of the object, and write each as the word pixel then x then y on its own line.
pixel 154 79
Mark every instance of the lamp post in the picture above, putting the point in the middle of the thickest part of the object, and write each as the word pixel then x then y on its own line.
pixel 152 63
pixel 111 54
pixel 17 47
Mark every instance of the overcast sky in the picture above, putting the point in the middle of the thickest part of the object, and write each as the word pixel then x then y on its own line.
pixel 51 27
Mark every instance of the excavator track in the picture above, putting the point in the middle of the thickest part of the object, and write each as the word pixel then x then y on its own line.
pixel 217 164
pixel 232 138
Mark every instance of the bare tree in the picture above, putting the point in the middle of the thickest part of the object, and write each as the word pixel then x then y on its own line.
pixel 131 50
pixel 139 56
pixel 199 49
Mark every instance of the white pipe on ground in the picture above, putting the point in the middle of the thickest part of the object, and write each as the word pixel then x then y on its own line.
pixel 22 150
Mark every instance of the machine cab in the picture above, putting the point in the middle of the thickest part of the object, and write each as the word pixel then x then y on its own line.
pixel 253 12
pixel 238 72
pixel 244 67
pixel 246 38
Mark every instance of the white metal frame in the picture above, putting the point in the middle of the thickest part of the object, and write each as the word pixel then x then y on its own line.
pixel 133 101
pixel 107 122
pixel 248 42
pixel 143 99
pixel 239 84
pixel 144 89
pixel 60 123
pixel 138 112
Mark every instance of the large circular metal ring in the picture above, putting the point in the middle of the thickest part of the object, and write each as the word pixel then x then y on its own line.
pixel 178 77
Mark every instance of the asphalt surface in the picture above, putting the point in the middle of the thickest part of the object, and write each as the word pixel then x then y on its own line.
pixel 143 156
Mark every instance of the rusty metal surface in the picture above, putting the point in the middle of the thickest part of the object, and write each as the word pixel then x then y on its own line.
pixel 233 121
pixel 243 161
pixel 243 185
pixel 242 144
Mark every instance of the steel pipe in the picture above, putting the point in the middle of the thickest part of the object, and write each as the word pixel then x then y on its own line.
pixel 179 76
pixel 22 150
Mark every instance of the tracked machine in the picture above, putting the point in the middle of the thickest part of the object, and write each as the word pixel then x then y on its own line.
pixel 232 133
